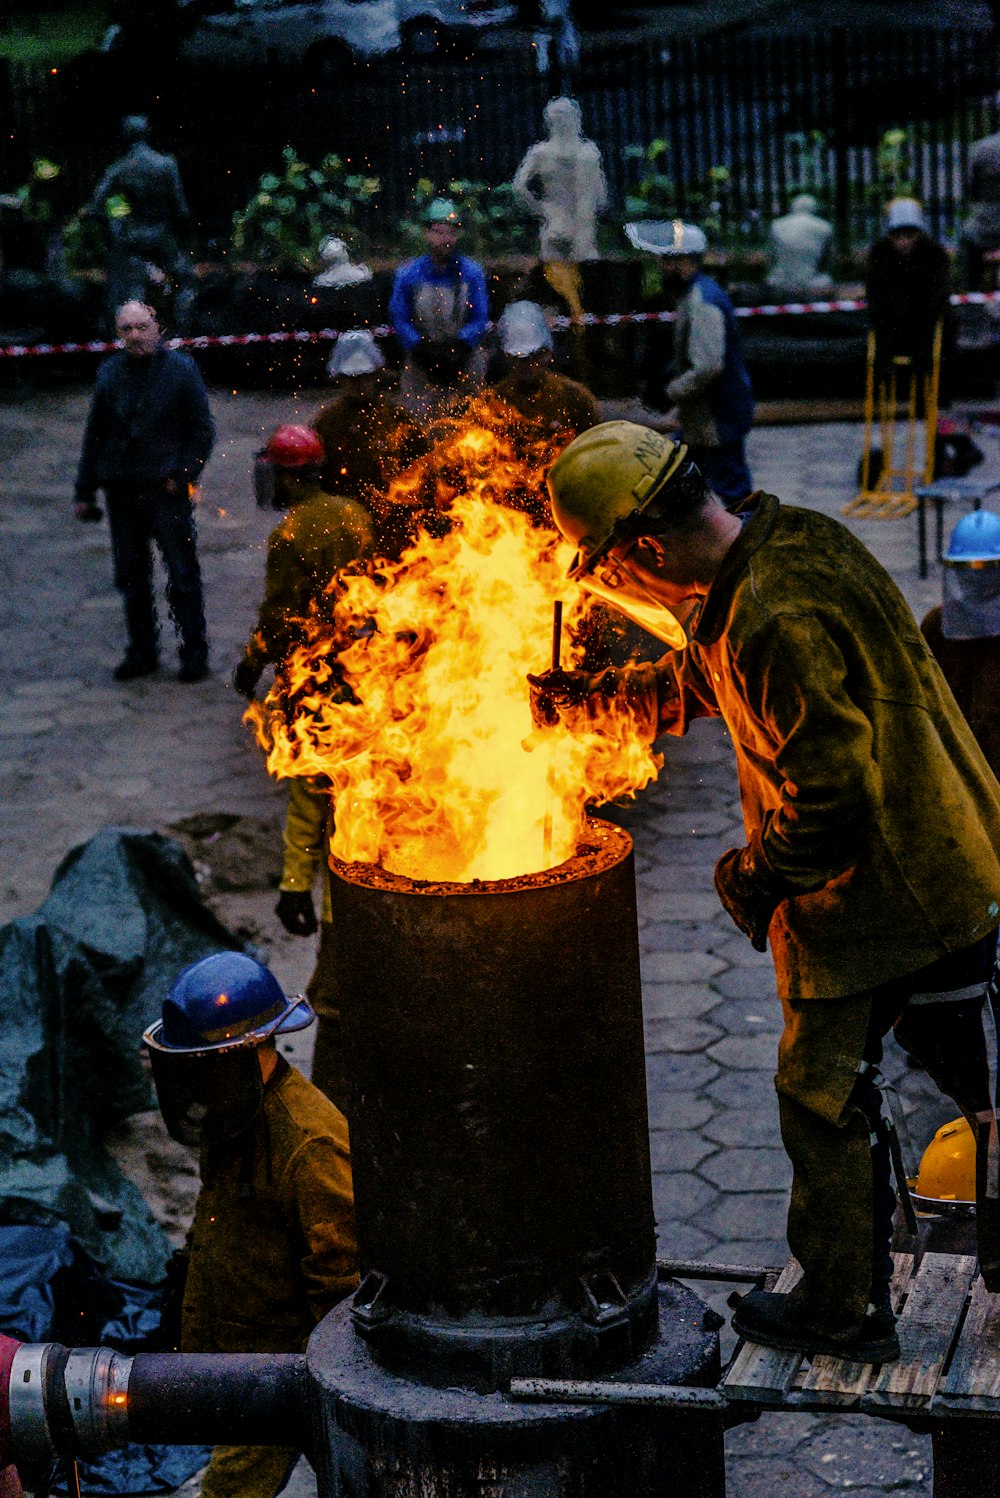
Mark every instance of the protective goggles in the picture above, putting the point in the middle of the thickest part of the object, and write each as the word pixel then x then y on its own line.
pixel 613 581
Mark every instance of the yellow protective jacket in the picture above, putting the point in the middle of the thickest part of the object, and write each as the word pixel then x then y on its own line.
pixel 865 795
pixel 272 1245
pixel 306 838
pixel 319 536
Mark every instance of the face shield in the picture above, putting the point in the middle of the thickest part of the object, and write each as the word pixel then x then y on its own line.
pixel 612 580
pixel 970 606
pixel 207 1096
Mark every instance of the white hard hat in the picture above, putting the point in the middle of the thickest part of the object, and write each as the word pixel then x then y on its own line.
pixel 669 236
pixel 904 213
pixel 523 330
pixel 356 353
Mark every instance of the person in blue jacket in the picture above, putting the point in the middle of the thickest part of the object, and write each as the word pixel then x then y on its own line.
pixel 709 387
pixel 439 313
pixel 149 434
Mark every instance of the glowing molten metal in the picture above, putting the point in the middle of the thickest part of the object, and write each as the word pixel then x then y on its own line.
pixel 434 770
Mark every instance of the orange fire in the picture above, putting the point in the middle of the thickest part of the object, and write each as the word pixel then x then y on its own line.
pixel 409 696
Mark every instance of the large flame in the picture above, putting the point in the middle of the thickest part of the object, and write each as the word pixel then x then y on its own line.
pixel 409 695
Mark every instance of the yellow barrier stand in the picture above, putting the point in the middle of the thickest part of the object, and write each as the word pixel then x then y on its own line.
pixel 891 491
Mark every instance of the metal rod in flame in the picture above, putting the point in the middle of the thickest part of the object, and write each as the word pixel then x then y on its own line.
pixel 557 613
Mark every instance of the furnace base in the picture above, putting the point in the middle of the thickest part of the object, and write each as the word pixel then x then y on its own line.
pixel 387 1436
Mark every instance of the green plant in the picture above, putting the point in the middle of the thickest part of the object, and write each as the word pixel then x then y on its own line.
pixel 36 197
pixel 895 167
pixel 288 216
pixel 805 153
pixel 494 225
pixel 654 195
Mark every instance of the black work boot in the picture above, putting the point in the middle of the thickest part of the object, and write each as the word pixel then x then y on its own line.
pixel 134 664
pixel 193 670
pixel 780 1321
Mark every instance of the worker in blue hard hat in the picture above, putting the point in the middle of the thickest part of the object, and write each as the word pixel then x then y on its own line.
pixel 439 312
pixel 272 1246
pixel 964 631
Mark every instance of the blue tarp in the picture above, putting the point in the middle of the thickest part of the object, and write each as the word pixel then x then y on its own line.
pixel 79 982
pixel 50 1292
pixel 82 1259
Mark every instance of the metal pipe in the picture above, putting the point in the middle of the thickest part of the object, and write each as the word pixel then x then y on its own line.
pixel 84 1401
pixel 601 1391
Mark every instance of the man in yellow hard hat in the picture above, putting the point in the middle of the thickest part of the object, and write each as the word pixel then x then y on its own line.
pixel 872 860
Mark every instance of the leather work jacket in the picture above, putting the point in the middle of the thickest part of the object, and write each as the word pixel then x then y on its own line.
pixel 866 800
pixel 317 538
pixel 272 1245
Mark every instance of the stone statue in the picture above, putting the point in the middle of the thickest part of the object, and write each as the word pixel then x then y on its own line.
pixel 145 188
pixel 981 233
pixel 800 244
pixel 338 271
pixel 561 181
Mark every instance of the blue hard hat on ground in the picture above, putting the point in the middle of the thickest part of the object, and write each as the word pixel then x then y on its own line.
pixel 224 1001
pixel 976 538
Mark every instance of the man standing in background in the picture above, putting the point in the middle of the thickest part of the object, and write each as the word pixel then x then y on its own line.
pixel 149 434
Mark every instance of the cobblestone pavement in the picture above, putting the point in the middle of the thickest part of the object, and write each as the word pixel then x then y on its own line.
pixel 78 751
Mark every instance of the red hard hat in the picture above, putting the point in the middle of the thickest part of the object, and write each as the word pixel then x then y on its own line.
pixel 295 447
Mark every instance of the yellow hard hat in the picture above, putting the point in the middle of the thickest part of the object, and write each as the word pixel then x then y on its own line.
pixel 948 1166
pixel 608 474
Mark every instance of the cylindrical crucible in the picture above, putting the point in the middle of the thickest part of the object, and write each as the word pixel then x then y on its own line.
pixel 494 1044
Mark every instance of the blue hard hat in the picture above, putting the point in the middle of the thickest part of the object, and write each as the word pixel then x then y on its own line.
pixel 976 538
pixel 226 1000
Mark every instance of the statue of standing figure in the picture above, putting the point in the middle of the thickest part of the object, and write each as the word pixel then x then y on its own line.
pixel 144 237
pixel 800 245
pixel 561 181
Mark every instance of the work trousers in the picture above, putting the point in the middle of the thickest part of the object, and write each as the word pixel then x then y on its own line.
pixel 248 1471
pixel 138 518
pixel 835 1130
pixel 329 1073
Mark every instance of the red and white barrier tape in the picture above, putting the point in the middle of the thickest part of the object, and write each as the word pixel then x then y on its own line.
pixel 589 320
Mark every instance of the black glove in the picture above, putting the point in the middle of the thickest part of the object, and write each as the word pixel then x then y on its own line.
pixel 88 510
pixel 296 912
pixel 555 694
pixel 748 897
pixel 245 677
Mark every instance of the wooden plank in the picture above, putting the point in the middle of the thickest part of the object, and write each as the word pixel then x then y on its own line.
pixel 764 1375
pixel 832 1383
pixel 927 1330
pixel 973 1383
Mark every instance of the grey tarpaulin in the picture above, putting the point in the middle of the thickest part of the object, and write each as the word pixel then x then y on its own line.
pixel 79 981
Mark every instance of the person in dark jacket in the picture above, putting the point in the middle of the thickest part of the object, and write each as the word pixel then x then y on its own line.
pixel 872 855
pixel 148 437
pixel 906 286
pixel 708 387
pixel 272 1246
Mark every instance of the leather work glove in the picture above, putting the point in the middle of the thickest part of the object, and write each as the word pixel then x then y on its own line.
pixel 296 912
pixel 748 899
pixel 245 677
pixel 556 694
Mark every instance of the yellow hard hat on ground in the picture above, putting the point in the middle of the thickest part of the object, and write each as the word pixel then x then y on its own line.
pixel 606 476
pixel 947 1172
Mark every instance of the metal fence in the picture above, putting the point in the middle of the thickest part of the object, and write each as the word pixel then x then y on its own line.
pixel 780 113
